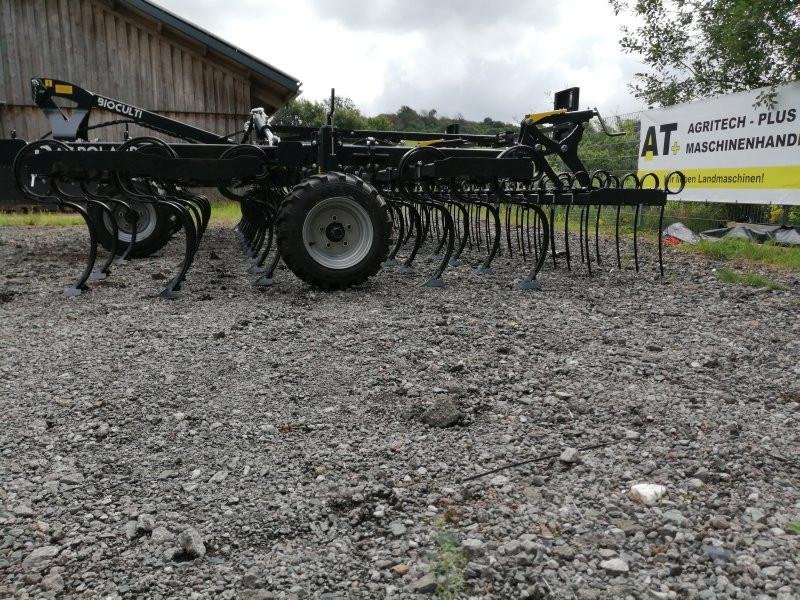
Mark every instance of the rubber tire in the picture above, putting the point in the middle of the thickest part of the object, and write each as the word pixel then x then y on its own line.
pixel 289 229
pixel 160 236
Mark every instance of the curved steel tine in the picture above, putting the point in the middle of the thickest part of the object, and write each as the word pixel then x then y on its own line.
pixel 80 284
pixel 268 278
pixel 449 232
pixel 507 216
pixel 477 220
pixel 436 234
pixel 425 213
pixel 442 240
pixel 416 218
pixel 530 282
pixel 464 232
pixel 409 213
pixel 616 236
pixel 580 232
pixel 174 285
pixel 105 270
pixel 661 239
pixel 257 267
pixel 597 235
pixel 486 225
pixel 205 206
pixel 72 201
pixel 636 237
pixel 567 253
pixel 391 260
pixel 585 240
pixel 131 216
pixel 486 267
pixel 552 234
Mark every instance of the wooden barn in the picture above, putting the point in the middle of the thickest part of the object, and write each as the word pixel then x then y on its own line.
pixel 134 51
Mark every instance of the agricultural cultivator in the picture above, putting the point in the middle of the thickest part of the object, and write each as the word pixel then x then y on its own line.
pixel 334 205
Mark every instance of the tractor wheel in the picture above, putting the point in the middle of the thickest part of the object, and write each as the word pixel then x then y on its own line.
pixel 155 226
pixel 333 230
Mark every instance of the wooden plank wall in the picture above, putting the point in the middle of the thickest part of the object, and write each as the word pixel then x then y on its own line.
pixel 90 44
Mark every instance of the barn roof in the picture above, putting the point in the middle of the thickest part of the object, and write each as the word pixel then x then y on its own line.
pixel 276 82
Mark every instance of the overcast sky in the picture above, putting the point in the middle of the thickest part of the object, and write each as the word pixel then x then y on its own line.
pixel 501 58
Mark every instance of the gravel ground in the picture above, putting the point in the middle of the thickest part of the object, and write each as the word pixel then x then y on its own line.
pixel 288 443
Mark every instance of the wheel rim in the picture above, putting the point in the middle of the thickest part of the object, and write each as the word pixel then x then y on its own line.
pixel 145 226
pixel 337 233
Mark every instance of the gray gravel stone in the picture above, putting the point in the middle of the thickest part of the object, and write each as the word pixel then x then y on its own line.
pixel 161 535
pixel 615 565
pixel 305 418
pixel 473 547
pixel 424 585
pixel 675 516
pixel 570 456
pixel 53 582
pixel 442 413
pixel 40 558
pixel 191 542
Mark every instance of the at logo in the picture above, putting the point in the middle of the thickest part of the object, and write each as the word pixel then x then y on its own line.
pixel 651 145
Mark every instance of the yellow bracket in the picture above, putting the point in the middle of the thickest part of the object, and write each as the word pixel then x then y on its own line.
pixel 429 142
pixel 536 117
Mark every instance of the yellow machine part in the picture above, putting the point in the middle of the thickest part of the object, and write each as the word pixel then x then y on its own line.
pixel 536 117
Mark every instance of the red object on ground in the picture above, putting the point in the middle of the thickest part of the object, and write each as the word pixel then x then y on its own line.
pixel 672 241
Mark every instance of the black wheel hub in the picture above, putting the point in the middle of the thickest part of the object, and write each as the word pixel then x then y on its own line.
pixel 335 232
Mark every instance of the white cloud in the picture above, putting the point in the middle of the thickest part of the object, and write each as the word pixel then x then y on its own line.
pixel 500 59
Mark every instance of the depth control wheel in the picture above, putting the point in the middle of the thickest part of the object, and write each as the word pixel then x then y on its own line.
pixel 333 230
pixel 154 227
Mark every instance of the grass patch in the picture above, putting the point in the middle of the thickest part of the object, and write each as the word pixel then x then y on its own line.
pixel 793 526
pixel 726 275
pixel 223 212
pixel 743 250
pixel 40 219
pixel 449 568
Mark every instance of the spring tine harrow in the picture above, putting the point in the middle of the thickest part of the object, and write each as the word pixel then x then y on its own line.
pixel 333 205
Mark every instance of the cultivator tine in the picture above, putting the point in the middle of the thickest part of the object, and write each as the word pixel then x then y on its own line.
pixel 80 284
pixel 448 235
pixel 669 191
pixel 567 254
pixel 397 210
pixel 485 268
pixel 257 267
pixel 616 236
pixel 636 237
pixel 507 214
pixel 585 238
pixel 464 228
pixel 267 278
pixel 105 270
pixel 416 226
pixel 597 235
pixel 530 282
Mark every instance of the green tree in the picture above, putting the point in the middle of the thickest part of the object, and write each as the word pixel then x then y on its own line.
pixel 700 48
pixel 301 113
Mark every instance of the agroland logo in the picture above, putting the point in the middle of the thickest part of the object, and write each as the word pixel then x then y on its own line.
pixel 119 107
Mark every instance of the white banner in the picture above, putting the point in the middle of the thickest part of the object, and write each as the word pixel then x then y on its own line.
pixel 729 150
